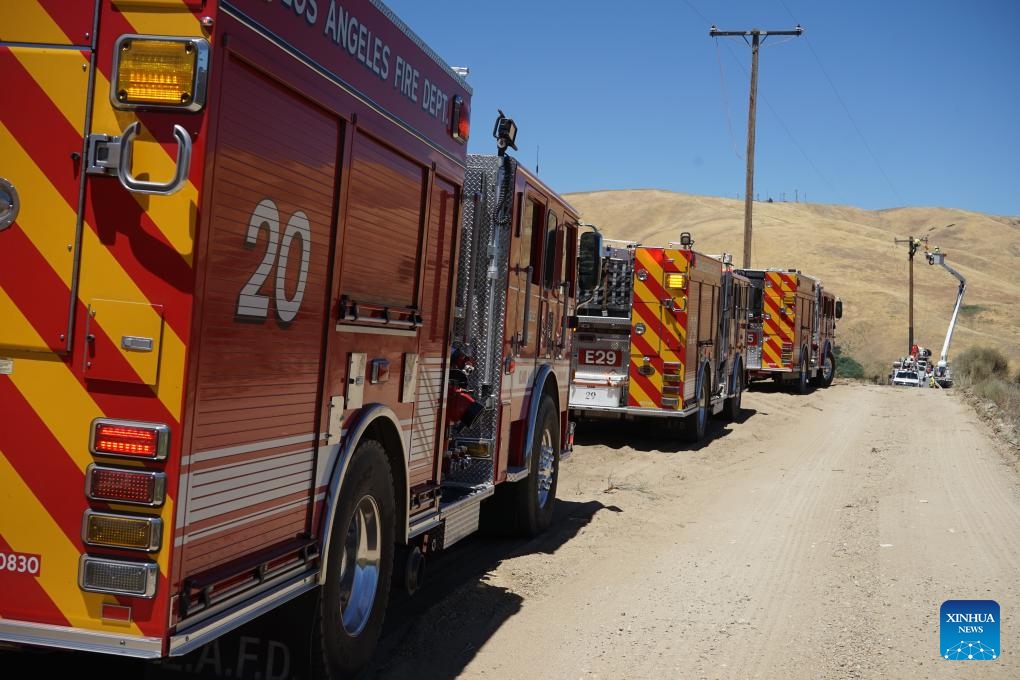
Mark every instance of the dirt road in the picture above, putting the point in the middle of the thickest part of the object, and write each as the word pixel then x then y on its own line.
pixel 817 538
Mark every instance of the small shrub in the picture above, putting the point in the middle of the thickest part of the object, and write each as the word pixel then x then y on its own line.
pixel 976 364
pixel 847 366
pixel 971 310
pixel 1005 395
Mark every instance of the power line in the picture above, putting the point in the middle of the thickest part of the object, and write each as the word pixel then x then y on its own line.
pixel 846 110
pixel 789 133
pixel 726 104
pixel 768 103
pixel 757 35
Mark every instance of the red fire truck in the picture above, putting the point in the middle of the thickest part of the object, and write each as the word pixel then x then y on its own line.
pixel 660 335
pixel 246 352
pixel 792 329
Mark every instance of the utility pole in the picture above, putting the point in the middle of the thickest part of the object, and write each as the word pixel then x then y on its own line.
pixel 757 37
pixel 912 245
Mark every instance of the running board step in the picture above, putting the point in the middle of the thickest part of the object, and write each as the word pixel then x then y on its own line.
pixel 461 517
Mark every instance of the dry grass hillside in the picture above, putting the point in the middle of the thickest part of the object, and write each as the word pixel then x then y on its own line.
pixel 854 254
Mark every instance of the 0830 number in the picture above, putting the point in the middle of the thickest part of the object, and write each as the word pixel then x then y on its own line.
pixel 20 563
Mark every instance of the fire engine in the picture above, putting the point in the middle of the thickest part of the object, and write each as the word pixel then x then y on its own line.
pixel 265 324
pixel 792 327
pixel 660 335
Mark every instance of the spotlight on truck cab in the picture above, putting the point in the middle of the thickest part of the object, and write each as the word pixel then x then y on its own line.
pixel 505 132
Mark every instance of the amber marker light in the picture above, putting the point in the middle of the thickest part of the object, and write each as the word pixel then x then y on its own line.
pixel 129 439
pixel 162 72
pixel 676 281
pixel 121 531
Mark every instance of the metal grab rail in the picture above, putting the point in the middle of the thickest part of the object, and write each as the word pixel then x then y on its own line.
pixel 366 312
pixel 144 187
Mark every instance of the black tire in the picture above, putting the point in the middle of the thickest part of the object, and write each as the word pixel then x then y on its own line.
pixel 536 494
pixel 827 371
pixel 697 423
pixel 802 379
pixel 731 407
pixel 352 601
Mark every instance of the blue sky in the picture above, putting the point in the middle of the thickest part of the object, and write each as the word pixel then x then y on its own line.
pixel 877 105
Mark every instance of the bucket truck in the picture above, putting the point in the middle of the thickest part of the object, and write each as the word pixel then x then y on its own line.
pixel 942 375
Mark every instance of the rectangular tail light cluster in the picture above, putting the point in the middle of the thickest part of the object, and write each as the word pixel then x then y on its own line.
pixel 147 445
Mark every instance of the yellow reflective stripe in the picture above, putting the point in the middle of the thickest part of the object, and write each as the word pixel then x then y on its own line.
pixel 33 24
pixel 638 395
pixel 40 378
pixel 67 93
pixel 36 532
pixel 103 278
pixel 48 207
pixel 60 76
pixel 172 215
pixel 173 17
pixel 644 259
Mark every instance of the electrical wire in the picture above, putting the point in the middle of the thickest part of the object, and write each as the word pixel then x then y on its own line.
pixel 771 108
pixel 846 110
pixel 726 104
pixel 789 133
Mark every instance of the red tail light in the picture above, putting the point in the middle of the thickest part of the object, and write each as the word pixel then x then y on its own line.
pixel 139 487
pixel 460 120
pixel 129 438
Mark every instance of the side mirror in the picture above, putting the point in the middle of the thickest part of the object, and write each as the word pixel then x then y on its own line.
pixel 839 309
pixel 589 261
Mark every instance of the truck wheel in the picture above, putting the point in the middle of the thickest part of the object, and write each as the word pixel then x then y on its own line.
pixel 536 494
pixel 828 370
pixel 802 379
pixel 731 407
pixel 697 422
pixel 352 601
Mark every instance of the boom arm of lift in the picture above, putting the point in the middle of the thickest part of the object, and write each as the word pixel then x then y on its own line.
pixel 940 258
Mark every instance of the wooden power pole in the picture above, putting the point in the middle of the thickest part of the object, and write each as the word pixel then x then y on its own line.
pixel 757 37
pixel 912 244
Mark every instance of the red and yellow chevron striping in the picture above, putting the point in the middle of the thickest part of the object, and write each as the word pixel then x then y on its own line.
pixel 658 328
pixel 778 327
pixel 83 259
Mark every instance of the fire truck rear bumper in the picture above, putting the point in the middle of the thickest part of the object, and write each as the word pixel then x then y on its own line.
pixel 629 413
pixel 766 373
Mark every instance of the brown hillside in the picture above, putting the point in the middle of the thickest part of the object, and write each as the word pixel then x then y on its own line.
pixel 854 253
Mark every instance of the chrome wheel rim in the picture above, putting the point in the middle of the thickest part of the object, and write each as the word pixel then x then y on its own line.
pixel 827 368
pixel 360 563
pixel 703 409
pixel 546 459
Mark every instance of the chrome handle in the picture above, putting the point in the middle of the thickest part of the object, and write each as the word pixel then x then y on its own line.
pixel 144 187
